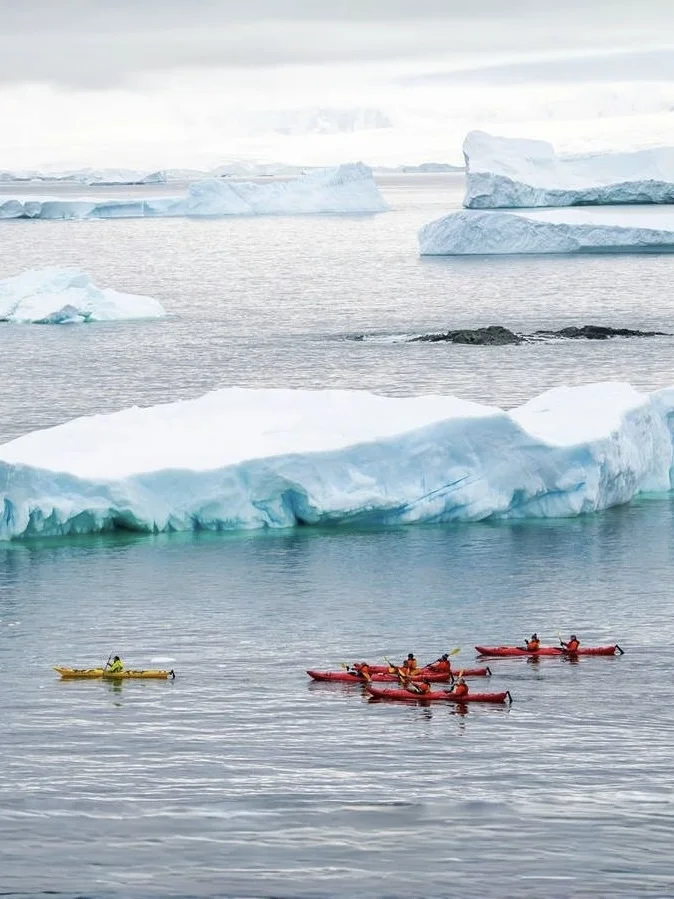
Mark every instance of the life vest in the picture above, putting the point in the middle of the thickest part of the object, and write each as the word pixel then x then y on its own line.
pixel 115 667
pixel 572 645
pixel 423 688
pixel 362 670
pixel 460 690
pixel 533 645
pixel 442 666
pixel 409 665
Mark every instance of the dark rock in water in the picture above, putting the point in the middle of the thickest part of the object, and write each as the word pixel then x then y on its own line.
pixel 598 332
pixel 494 335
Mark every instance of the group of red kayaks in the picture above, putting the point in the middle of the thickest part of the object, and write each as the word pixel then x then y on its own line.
pixel 415 684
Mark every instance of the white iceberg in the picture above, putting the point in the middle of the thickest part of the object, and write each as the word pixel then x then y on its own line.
pixel 58 296
pixel 509 173
pixel 346 189
pixel 624 230
pixel 240 458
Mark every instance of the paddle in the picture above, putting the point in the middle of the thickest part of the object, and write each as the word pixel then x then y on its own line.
pixel 107 663
pixel 454 652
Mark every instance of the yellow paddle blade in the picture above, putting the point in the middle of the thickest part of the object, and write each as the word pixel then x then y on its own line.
pixel 343 665
pixel 455 651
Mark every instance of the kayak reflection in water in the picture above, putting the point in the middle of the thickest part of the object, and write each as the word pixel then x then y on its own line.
pixel 572 645
pixel 533 643
pixel 115 666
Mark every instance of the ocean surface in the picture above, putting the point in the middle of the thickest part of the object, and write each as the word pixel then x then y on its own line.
pixel 241 778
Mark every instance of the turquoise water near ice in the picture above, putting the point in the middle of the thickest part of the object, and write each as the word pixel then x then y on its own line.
pixel 241 778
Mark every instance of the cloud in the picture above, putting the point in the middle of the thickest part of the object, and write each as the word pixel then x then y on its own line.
pixel 98 44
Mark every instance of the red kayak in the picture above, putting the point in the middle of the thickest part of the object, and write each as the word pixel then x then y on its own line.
pixel 346 677
pixel 436 696
pixel 466 672
pixel 510 651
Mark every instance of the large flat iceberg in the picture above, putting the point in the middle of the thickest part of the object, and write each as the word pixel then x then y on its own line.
pixel 346 189
pixel 623 230
pixel 240 458
pixel 507 173
pixel 57 296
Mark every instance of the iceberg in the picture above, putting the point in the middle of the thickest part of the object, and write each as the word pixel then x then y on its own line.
pixel 346 189
pixel 57 296
pixel 474 232
pixel 246 458
pixel 508 173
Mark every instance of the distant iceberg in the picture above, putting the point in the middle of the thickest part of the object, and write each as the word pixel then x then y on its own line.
pixel 346 189
pixel 57 296
pixel 510 173
pixel 472 233
pixel 248 458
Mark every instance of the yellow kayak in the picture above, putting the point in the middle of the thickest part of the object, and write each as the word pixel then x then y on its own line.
pixel 150 673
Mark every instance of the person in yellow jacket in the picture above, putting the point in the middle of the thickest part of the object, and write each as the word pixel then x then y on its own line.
pixel 115 666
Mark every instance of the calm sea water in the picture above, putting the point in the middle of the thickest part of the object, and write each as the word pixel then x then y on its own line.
pixel 241 778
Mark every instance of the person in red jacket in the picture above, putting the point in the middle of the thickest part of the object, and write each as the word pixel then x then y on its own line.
pixel 410 663
pixel 441 665
pixel 460 688
pixel 533 643
pixel 362 670
pixel 572 645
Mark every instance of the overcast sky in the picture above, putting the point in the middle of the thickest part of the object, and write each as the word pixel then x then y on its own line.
pixel 154 68
pixel 98 42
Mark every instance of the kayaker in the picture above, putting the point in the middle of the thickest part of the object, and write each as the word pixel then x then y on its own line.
pixel 115 666
pixel 572 645
pixel 410 663
pixel 362 670
pixel 460 688
pixel 533 643
pixel 441 665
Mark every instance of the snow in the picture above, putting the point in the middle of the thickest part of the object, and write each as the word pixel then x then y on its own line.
pixel 511 172
pixel 586 230
pixel 57 296
pixel 244 458
pixel 345 189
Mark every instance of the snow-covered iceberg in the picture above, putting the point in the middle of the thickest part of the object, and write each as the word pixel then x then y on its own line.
pixel 346 189
pixel 240 458
pixel 58 296
pixel 473 232
pixel 508 173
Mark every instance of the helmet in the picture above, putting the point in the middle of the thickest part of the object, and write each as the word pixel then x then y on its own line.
pixel 534 636
pixel 116 659
pixel 574 637
pixel 410 655
pixel 445 656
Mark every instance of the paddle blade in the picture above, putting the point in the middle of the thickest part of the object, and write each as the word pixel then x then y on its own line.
pixel 455 651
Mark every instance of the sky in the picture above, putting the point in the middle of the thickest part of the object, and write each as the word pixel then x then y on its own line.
pixel 201 82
